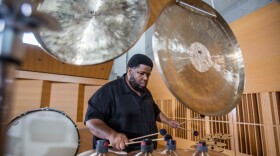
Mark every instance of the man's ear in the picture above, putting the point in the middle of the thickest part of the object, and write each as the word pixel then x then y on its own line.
pixel 129 70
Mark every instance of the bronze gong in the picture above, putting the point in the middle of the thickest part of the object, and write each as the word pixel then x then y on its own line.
pixel 198 57
pixel 93 31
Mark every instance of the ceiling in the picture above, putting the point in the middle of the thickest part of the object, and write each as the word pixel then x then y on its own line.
pixel 234 9
pixel 230 10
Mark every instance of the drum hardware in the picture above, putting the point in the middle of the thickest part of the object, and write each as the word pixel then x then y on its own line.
pixel 202 149
pixel 101 148
pixel 147 148
pixel 201 116
pixel 198 57
pixel 162 132
pixel 170 148
pixel 197 9
pixel 16 16
pixel 93 31
pixel 43 131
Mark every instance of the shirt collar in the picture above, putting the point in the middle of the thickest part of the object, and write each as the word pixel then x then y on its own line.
pixel 124 86
pixel 126 89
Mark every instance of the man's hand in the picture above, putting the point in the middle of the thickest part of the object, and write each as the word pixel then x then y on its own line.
pixel 173 123
pixel 118 140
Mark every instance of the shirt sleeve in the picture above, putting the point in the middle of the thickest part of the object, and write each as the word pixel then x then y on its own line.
pixel 156 110
pixel 98 107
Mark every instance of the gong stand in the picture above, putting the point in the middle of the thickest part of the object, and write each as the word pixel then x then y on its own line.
pixel 16 17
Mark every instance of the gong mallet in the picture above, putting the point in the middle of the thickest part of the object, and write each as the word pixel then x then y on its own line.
pixel 197 117
pixel 161 132
pixel 195 133
pixel 165 138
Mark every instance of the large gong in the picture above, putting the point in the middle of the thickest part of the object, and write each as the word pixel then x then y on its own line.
pixel 93 31
pixel 198 57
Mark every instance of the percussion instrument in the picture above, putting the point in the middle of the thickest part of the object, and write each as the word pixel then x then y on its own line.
pixel 93 31
pixel 198 57
pixel 171 150
pixel 42 132
pixel 111 152
pixel 16 16
pixel 161 132
pixel 186 152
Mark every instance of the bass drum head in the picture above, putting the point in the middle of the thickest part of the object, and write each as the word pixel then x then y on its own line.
pixel 42 132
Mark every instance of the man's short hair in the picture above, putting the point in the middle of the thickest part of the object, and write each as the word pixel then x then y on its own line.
pixel 138 59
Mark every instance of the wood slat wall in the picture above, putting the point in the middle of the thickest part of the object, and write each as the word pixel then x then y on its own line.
pixel 255 130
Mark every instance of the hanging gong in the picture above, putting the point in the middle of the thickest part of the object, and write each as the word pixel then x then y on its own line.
pixel 93 31
pixel 198 57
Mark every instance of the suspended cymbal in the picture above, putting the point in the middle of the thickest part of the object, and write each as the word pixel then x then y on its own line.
pixel 198 57
pixel 215 143
pixel 93 31
pixel 210 152
pixel 217 149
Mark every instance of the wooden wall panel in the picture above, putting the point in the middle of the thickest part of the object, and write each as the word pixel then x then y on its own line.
pixel 64 97
pixel 85 140
pixel 26 97
pixel 155 8
pixel 37 60
pixel 89 91
pixel 259 36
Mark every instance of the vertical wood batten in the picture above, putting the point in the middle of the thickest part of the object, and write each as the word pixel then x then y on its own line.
pixel 46 94
pixel 268 125
pixel 80 102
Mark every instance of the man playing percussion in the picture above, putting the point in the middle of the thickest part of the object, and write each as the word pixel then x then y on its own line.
pixel 124 108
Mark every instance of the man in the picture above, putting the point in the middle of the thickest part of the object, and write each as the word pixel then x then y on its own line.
pixel 124 108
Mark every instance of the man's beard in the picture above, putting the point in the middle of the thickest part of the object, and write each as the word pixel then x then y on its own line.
pixel 134 84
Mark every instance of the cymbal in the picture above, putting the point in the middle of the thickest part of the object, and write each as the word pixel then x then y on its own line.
pixel 93 31
pixel 210 152
pixel 217 149
pixel 223 136
pixel 215 143
pixel 187 152
pixel 198 57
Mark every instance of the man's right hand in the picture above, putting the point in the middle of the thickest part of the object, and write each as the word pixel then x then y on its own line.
pixel 118 140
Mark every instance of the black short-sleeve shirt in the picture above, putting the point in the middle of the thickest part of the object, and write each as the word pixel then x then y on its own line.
pixel 123 110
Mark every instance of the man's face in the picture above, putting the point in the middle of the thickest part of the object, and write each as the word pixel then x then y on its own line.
pixel 139 77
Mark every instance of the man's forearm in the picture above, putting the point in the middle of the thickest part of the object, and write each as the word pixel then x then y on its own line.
pixel 162 118
pixel 100 129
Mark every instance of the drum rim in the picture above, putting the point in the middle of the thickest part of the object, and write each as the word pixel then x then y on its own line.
pixel 48 109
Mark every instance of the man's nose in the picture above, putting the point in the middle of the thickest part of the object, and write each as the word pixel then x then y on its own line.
pixel 145 77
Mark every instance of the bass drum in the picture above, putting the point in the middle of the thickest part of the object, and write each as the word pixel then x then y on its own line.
pixel 42 132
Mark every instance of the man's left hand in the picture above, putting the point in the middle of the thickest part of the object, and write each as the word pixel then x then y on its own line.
pixel 173 123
